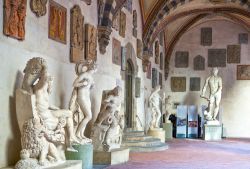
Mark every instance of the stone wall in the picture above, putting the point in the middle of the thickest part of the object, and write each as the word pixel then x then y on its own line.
pixel 235 93
pixel 14 55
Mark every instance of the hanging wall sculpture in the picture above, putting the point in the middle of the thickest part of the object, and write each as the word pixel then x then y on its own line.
pixel 14 15
pixel 116 52
pixel 57 22
pixel 76 34
pixel 122 30
pixel 90 42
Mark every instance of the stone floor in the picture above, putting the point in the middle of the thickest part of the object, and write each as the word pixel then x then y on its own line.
pixel 193 154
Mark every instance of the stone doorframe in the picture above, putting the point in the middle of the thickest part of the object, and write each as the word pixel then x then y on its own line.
pixel 131 58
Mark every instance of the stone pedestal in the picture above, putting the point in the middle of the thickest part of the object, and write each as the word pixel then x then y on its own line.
pixel 212 132
pixel 85 153
pixel 74 164
pixel 168 128
pixel 116 156
pixel 157 133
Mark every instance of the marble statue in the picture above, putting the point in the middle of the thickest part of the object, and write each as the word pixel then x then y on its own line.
pixel 214 82
pixel 107 131
pixel 154 102
pixel 167 107
pixel 80 103
pixel 42 126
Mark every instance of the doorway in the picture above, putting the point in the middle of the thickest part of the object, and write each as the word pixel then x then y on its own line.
pixel 129 95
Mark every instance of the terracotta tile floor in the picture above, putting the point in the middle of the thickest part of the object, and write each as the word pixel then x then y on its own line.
pixel 194 154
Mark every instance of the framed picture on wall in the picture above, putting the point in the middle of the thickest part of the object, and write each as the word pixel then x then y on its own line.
pixel 243 72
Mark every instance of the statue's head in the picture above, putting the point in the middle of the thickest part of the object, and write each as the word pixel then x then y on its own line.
pixel 215 71
pixel 35 68
pixel 86 66
pixel 117 91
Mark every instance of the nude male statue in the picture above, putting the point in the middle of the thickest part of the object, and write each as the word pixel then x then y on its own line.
pixel 51 115
pixel 215 85
pixel 154 100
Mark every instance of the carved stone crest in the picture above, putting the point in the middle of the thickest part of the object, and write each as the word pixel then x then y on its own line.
pixel 14 18
pixel 91 42
pixel 76 34
pixel 38 7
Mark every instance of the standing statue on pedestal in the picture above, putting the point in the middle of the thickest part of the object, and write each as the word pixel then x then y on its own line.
pixel 168 106
pixel 154 101
pixel 107 131
pixel 214 82
pixel 42 125
pixel 80 102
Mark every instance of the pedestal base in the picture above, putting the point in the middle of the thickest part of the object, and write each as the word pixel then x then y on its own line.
pixel 212 132
pixel 157 133
pixel 116 156
pixel 168 128
pixel 85 153
pixel 74 164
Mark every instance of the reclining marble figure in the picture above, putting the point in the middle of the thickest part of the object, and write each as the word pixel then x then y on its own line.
pixel 80 103
pixel 42 125
pixel 107 130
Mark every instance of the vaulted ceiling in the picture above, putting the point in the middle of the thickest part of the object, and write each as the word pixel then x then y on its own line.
pixel 175 17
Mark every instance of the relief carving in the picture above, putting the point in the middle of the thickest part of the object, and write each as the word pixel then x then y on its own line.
pixel 122 30
pixel 14 18
pixel 38 7
pixel 91 42
pixel 76 34
pixel 57 22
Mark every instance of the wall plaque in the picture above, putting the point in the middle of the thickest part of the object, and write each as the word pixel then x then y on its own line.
pixel 243 72
pixel 157 52
pixel 116 21
pixel 217 57
pixel 233 53
pixel 149 70
pixel 90 42
pixel 195 84
pixel 137 87
pixel 135 23
pixel 139 48
pixel 206 36
pixel 181 59
pixel 57 22
pixel 123 59
pixel 122 29
pixel 116 54
pixel 243 38
pixel 14 14
pixel 154 77
pixel 178 84
pixel 76 34
pixel 161 61
pixel 199 63
pixel 160 79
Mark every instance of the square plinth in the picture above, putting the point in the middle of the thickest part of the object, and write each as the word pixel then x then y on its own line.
pixel 212 132
pixel 157 133
pixel 168 128
pixel 116 156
